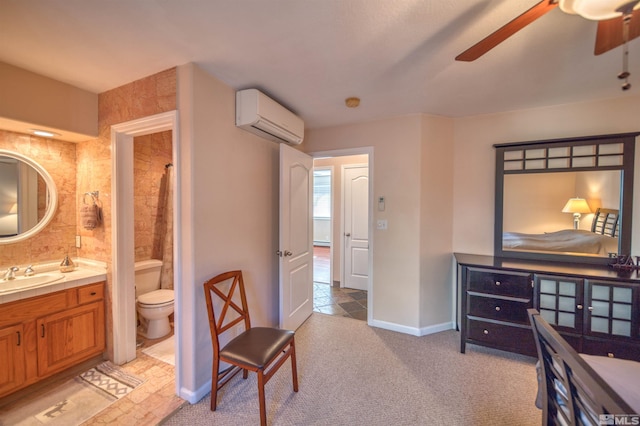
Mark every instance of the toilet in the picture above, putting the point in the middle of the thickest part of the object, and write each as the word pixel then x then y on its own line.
pixel 154 305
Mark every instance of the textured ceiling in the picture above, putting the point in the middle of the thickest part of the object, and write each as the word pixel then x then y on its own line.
pixel 396 55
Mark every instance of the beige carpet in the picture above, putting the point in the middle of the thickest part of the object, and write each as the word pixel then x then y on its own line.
pixel 352 374
pixel 74 401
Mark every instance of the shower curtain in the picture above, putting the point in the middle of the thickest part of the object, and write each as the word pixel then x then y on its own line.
pixel 166 278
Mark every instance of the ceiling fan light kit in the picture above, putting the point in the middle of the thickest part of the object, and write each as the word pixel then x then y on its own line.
pixel 597 10
pixel 618 23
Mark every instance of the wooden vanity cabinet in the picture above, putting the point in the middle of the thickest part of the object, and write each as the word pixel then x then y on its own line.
pixel 594 308
pixel 12 374
pixel 43 335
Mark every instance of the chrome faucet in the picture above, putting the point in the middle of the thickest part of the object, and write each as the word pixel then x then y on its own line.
pixel 11 273
pixel 29 271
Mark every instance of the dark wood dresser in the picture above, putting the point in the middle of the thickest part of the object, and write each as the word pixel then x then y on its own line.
pixel 595 308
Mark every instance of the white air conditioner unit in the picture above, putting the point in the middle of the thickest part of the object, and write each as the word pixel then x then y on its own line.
pixel 259 114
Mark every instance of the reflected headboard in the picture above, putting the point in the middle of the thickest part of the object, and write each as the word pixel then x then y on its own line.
pixel 605 222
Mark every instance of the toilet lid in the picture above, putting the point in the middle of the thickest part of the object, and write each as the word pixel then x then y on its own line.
pixel 156 297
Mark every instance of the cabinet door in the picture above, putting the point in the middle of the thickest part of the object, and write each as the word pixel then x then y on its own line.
pixel 560 302
pixel 12 355
pixel 70 336
pixel 612 310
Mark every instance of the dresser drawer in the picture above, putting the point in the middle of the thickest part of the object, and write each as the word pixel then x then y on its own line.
pixel 90 293
pixel 511 284
pixel 499 309
pixel 611 348
pixel 502 336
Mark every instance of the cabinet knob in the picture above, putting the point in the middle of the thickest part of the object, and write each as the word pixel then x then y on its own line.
pixel 590 308
pixel 498 283
pixel 610 355
pixel 579 306
pixel 498 308
pixel 485 331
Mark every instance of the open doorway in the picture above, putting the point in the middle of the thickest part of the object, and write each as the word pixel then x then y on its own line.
pixel 341 240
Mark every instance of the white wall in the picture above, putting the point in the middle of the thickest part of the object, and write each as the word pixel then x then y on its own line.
pixel 436 223
pixel 50 104
pixel 474 157
pixel 412 170
pixel 230 216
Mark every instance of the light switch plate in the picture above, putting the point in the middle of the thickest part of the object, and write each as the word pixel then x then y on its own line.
pixel 382 224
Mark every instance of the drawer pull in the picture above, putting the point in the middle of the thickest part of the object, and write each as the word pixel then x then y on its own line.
pixel 18 333
pixel 498 283
pixel 610 355
pixel 42 330
pixel 93 293
pixel 485 331
pixel 498 308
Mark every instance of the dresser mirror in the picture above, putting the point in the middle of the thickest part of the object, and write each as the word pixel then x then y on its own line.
pixel 28 197
pixel 565 199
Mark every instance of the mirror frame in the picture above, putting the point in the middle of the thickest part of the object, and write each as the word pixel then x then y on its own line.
pixel 626 193
pixel 53 198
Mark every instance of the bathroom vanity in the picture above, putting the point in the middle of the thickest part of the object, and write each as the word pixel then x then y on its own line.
pixel 52 327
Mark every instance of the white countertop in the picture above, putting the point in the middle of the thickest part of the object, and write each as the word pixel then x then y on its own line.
pixel 86 272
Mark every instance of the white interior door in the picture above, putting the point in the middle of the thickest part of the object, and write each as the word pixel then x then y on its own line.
pixel 296 237
pixel 356 226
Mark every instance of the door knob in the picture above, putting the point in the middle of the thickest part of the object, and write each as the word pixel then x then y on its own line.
pixel 287 253
pixel 348 234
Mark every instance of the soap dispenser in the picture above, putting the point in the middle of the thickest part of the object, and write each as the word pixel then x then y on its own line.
pixel 67 264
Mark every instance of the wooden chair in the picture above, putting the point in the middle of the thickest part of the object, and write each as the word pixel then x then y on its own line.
pixel 572 392
pixel 259 349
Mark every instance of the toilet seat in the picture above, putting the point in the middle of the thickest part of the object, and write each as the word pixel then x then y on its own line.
pixel 156 298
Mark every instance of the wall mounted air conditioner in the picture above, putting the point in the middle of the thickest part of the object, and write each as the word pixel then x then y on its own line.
pixel 259 114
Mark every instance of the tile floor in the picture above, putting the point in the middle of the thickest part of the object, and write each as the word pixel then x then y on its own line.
pixel 345 302
pixel 148 404
pixel 331 299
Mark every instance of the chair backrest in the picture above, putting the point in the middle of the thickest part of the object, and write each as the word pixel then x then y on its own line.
pixel 574 394
pixel 226 288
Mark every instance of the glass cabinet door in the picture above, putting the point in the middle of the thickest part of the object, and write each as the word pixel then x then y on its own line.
pixel 560 301
pixel 610 310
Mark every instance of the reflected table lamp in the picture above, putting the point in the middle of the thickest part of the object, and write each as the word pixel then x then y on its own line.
pixel 577 206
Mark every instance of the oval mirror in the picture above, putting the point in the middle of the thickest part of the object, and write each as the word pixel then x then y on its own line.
pixel 28 197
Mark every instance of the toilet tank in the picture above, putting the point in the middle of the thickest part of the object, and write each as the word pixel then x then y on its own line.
pixel 147 276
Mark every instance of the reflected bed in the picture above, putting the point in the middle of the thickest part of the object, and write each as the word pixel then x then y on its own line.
pixel 601 240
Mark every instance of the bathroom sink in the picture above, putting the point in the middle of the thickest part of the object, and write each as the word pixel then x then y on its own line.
pixel 26 282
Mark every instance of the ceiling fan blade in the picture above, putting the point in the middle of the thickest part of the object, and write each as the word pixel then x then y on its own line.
pixel 491 41
pixel 609 35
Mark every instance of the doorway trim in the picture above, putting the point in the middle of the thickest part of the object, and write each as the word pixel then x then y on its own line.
pixel 368 150
pixel 123 309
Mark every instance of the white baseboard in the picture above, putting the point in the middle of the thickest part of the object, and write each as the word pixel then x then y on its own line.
pixel 437 328
pixel 414 331
pixel 192 397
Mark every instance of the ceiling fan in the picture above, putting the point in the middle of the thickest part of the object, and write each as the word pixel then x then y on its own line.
pixel 613 17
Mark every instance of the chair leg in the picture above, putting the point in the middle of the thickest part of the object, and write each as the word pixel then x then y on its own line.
pixel 245 374
pixel 294 368
pixel 263 408
pixel 214 384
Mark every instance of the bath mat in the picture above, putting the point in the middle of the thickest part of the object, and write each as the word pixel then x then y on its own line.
pixel 164 351
pixel 75 400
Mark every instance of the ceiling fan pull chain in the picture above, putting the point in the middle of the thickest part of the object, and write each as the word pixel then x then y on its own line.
pixel 624 75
